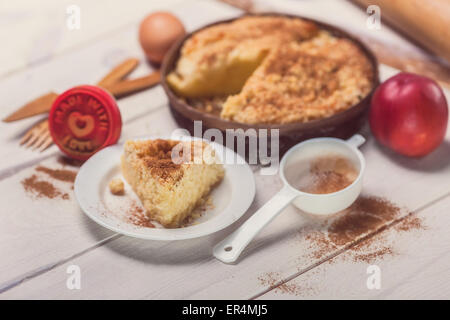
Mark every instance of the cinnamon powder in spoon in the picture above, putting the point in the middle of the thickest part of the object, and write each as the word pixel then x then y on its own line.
pixel 326 175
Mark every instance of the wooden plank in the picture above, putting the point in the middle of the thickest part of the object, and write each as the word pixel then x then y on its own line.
pixel 37 232
pixel 417 268
pixel 147 269
pixel 156 269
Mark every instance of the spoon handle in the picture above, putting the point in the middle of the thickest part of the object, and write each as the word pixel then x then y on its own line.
pixel 229 249
pixel 356 141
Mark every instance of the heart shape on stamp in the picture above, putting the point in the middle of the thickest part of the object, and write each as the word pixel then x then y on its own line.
pixel 81 125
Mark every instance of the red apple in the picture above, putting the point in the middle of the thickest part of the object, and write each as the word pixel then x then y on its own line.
pixel 409 114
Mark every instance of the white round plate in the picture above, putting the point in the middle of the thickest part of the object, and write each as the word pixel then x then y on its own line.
pixel 231 198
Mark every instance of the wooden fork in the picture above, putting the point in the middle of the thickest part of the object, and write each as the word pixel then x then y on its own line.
pixel 38 137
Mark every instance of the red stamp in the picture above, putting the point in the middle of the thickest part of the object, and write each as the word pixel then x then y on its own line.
pixel 84 120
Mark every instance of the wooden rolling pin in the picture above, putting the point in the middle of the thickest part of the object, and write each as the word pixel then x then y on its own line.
pixel 425 21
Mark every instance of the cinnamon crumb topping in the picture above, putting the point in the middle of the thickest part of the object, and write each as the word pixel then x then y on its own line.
pixel 158 158
pixel 285 70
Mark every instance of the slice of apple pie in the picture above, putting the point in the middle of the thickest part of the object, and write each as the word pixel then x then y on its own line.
pixel 170 177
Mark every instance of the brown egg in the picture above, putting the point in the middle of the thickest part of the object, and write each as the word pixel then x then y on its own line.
pixel 157 33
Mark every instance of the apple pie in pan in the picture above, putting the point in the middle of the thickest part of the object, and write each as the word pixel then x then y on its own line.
pixel 271 70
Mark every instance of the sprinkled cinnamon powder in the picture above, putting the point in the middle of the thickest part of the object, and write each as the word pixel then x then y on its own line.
pixel 271 280
pixel 320 244
pixel 367 215
pixel 374 255
pixel 136 216
pixel 410 223
pixel 59 174
pixel 42 189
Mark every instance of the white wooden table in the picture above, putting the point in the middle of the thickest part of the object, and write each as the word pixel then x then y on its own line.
pixel 40 238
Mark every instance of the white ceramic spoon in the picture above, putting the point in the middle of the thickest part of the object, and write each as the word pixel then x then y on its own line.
pixel 229 249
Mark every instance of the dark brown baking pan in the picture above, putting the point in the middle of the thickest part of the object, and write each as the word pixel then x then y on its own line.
pixel 342 125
